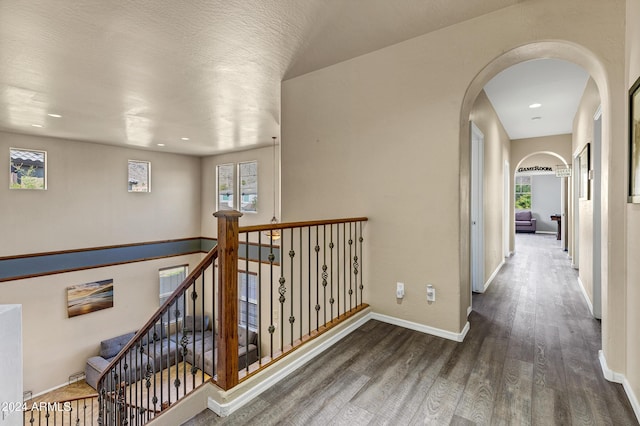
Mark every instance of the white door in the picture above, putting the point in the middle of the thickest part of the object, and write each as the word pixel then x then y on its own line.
pixel 477 220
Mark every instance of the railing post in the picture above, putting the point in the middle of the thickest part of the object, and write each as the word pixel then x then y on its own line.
pixel 227 338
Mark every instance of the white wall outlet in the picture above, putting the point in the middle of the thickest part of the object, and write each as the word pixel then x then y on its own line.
pixel 431 293
pixel 399 290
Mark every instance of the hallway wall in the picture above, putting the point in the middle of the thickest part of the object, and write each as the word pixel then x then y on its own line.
pixel 379 135
pixel 496 152
pixel 583 134
pixel 633 216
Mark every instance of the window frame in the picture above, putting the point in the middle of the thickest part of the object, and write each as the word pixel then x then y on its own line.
pixel 248 300
pixel 166 295
pixel 142 190
pixel 232 186
pixel 518 193
pixel 240 187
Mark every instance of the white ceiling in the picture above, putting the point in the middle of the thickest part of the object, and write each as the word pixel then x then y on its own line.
pixel 556 84
pixel 139 73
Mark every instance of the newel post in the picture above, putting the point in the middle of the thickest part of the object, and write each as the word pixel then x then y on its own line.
pixel 227 338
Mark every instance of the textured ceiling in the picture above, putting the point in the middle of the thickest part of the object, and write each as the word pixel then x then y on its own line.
pixel 148 72
pixel 555 84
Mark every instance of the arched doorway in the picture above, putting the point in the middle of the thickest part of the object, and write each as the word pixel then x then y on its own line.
pixel 552 49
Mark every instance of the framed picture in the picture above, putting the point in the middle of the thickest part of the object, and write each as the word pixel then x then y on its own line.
pixel 583 167
pixel 27 169
pixel 90 297
pixel 139 176
pixel 634 143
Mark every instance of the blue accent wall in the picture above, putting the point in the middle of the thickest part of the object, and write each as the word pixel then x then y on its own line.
pixel 16 268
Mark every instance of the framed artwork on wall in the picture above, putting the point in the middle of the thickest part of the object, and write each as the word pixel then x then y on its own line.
pixel 634 143
pixel 27 169
pixel 139 176
pixel 90 297
pixel 583 167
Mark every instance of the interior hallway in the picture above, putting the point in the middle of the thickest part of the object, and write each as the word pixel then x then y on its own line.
pixel 531 357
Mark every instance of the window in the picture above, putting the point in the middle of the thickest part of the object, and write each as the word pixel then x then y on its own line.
pixel 139 176
pixel 225 186
pixel 248 282
pixel 523 192
pixel 170 279
pixel 27 169
pixel 248 177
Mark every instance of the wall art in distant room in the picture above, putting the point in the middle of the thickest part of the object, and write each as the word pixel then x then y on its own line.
pixel 27 169
pixel 634 143
pixel 139 176
pixel 90 297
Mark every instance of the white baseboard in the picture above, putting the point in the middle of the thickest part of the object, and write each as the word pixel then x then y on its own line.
pixel 469 309
pixel 546 232
pixel 492 277
pixel 53 388
pixel 456 337
pixel 265 381
pixel 223 409
pixel 586 296
pixel 615 377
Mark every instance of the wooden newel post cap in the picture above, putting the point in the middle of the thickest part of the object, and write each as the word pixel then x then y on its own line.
pixel 227 213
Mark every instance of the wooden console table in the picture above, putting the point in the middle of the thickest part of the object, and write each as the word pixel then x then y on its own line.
pixel 558 218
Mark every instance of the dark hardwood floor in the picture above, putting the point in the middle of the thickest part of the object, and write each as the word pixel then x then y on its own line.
pixel 531 357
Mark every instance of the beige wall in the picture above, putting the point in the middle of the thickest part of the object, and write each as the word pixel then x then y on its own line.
pixel 633 216
pixel 582 135
pixel 380 135
pixel 264 156
pixel 87 205
pixel 56 346
pixel 496 152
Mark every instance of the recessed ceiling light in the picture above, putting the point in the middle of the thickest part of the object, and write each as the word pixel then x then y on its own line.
pixel 54 115
pixel 536 118
pixel 184 139
pixel 536 105
pixel 36 125
pixel 160 144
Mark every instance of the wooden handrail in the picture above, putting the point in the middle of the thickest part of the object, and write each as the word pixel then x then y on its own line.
pixel 288 225
pixel 204 264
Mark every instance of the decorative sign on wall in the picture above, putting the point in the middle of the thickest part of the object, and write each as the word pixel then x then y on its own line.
pixel 534 169
pixel 563 171
pixel 85 298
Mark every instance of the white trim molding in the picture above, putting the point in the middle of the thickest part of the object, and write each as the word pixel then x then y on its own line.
pixel 224 403
pixel 493 276
pixel 616 377
pixel 456 337
pixel 586 296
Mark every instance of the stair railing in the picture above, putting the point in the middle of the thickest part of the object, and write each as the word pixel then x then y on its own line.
pixel 261 293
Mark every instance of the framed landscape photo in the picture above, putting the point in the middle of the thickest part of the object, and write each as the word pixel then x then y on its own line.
pixel 27 169
pixel 634 143
pixel 139 176
pixel 90 297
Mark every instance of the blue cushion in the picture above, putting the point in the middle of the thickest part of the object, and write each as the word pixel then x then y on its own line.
pixel 110 347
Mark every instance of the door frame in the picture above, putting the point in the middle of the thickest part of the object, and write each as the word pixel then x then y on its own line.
pixel 477 209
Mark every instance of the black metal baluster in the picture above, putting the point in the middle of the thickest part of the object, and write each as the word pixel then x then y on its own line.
pixel 350 275
pixel 282 290
pixel 344 267
pixel 292 254
pixel 317 249
pixel 324 274
pixel 182 348
pixel 309 280
pixel 272 328
pixel 259 342
pixel 300 283
pixel 331 300
pixel 359 266
pixel 213 325
pixel 338 266
pixel 184 341
pixel 246 323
